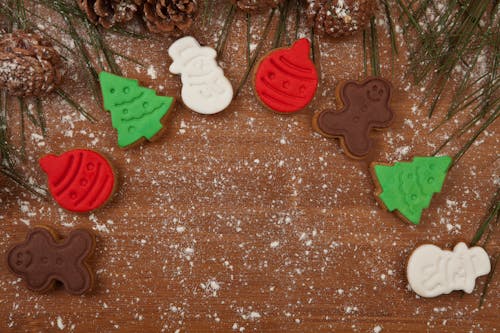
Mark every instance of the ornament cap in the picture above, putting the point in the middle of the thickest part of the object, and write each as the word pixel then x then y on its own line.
pixel 302 47
pixel 50 164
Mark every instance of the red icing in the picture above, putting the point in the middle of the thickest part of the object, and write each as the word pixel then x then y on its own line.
pixel 80 180
pixel 286 79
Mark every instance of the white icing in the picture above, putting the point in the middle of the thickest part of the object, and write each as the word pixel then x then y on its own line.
pixel 432 271
pixel 205 89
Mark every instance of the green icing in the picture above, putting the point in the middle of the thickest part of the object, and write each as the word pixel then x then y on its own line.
pixel 136 112
pixel 408 186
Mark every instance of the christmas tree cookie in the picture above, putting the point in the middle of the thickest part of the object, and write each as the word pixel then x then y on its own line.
pixel 408 186
pixel 136 112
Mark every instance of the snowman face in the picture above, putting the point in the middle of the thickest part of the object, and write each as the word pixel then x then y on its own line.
pixel 199 66
pixel 208 94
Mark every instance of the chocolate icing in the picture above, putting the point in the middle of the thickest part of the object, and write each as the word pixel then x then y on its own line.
pixel 365 107
pixel 41 260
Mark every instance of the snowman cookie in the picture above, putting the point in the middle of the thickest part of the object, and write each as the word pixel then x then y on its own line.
pixel 432 272
pixel 286 79
pixel 205 89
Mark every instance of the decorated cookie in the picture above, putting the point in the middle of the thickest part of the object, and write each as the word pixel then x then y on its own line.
pixel 365 107
pixel 286 79
pixel 205 89
pixel 432 272
pixel 80 180
pixel 42 259
pixel 136 112
pixel 408 186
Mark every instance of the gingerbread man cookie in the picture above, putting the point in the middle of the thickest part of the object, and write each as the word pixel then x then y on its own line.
pixel 42 259
pixel 365 106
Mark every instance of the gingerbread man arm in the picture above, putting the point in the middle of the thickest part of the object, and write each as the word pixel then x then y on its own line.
pixel 76 275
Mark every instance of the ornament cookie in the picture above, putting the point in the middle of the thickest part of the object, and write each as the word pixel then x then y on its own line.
pixel 408 186
pixel 80 180
pixel 137 113
pixel 43 258
pixel 365 107
pixel 432 272
pixel 205 89
pixel 286 79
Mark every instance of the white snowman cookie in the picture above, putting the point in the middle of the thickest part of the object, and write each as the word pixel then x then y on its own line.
pixel 205 89
pixel 432 271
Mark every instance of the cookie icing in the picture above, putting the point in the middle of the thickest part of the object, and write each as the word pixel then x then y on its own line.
pixel 286 79
pixel 408 187
pixel 366 106
pixel 42 259
pixel 136 112
pixel 432 272
pixel 205 89
pixel 80 180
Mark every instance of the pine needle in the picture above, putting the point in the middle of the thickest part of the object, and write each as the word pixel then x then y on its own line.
pixel 281 30
pixel 75 105
pixel 256 53
pixel 249 37
pixel 34 189
pixel 41 116
pixel 297 18
pixel 374 48
pixel 22 130
pixel 488 280
pixel 469 143
pixel 221 43
pixel 492 215
pixel 365 54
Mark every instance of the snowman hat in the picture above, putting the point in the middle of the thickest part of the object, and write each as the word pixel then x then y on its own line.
pixel 184 50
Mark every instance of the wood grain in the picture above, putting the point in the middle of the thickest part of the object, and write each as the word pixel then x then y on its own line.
pixel 247 221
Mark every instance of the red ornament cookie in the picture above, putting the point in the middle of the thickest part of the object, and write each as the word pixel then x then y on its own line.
pixel 80 180
pixel 286 79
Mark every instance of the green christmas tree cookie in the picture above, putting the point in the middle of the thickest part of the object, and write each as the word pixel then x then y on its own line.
pixel 136 112
pixel 408 186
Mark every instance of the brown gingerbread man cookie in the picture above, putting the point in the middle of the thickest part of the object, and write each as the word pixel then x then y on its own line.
pixel 42 259
pixel 365 106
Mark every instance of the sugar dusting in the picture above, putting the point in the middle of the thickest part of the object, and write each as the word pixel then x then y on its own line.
pixel 248 219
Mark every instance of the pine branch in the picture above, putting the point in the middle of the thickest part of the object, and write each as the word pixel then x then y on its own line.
pixel 256 53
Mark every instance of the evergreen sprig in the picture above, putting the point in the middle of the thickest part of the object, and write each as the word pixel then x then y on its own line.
pixel 90 44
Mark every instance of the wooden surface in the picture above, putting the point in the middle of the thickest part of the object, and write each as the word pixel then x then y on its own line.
pixel 247 221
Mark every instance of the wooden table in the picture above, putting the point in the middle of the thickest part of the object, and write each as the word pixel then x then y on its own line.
pixel 247 221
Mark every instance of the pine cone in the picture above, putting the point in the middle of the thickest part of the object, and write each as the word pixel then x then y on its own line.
pixel 339 18
pixel 109 12
pixel 29 65
pixel 256 5
pixel 172 16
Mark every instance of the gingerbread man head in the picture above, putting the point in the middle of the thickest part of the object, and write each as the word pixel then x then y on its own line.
pixel 365 107
pixel 41 260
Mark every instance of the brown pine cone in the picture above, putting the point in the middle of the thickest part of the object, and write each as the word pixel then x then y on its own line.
pixel 29 65
pixel 109 12
pixel 256 5
pixel 339 18
pixel 171 16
